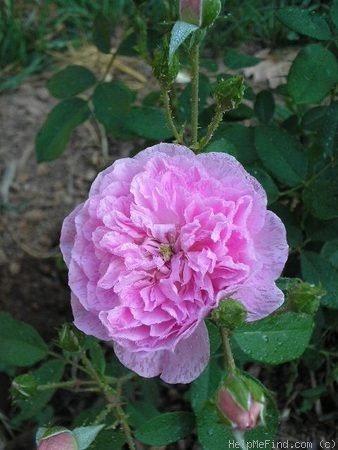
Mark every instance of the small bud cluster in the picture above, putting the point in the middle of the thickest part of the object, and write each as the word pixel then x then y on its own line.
pixel 229 92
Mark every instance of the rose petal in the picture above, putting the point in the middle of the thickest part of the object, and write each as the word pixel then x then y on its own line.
pixel 272 246
pixel 87 322
pixel 259 299
pixel 189 358
pixel 68 233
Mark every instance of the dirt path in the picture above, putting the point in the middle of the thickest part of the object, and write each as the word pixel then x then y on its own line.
pixel 36 198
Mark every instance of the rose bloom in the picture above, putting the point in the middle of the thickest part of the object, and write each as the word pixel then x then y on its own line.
pixel 162 238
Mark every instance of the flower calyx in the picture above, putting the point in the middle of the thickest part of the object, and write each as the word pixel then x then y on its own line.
pixel 229 93
pixel 230 314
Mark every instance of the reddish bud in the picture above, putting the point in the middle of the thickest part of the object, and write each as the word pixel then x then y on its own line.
pixel 240 403
pixel 59 440
pixel 191 11
pixel 199 12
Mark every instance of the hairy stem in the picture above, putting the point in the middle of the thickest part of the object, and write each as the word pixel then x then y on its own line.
pixel 71 384
pixel 112 398
pixel 212 127
pixel 194 94
pixel 228 356
pixel 169 116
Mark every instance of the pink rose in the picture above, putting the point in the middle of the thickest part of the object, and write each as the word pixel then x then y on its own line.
pixel 240 418
pixel 161 239
pixel 60 440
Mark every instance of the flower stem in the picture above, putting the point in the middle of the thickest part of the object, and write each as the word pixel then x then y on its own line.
pixel 111 398
pixel 212 127
pixel 194 94
pixel 228 356
pixel 169 116
pixel 64 385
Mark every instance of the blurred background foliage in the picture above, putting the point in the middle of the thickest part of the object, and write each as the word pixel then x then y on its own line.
pixel 32 31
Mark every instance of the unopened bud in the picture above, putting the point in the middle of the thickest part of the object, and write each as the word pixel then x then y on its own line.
pixel 229 92
pixel 211 10
pixel 165 69
pixel 200 12
pixel 305 298
pixel 240 402
pixel 57 439
pixel 191 11
pixel 229 314
pixel 70 339
pixel 24 386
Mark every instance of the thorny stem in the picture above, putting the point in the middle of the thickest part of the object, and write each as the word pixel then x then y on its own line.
pixel 68 361
pixel 194 94
pixel 212 127
pixel 169 117
pixel 111 398
pixel 64 384
pixel 228 356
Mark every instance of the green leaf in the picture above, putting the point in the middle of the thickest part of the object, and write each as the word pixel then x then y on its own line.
pixel 50 372
pixel 242 138
pixel 276 339
pixel 212 434
pixel 221 146
pixel 305 22
pixel 108 440
pixel 265 106
pixel 102 33
pixel 319 231
pixel 266 181
pixel 20 344
pixel 334 13
pixel 96 354
pixel 140 412
pixel 313 74
pixel 214 337
pixel 324 121
pixel 54 135
pixel 236 60
pixel 166 428
pixel 204 387
pixel 86 435
pixel 281 154
pixel 291 222
pixel 148 123
pixel 329 130
pixel 71 81
pixel 313 118
pixel 179 33
pixel 320 196
pixel 330 252
pixel 316 270
pixel 112 102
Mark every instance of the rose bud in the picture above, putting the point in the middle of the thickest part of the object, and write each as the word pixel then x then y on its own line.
pixel 240 403
pixel 57 439
pixel 199 12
